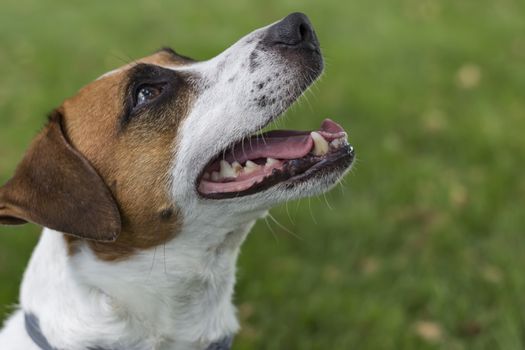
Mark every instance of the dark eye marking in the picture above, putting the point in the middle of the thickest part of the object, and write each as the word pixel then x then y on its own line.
pixel 150 89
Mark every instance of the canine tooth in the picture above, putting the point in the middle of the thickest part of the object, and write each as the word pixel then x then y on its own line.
pixel 320 144
pixel 206 176
pixel 250 167
pixel 215 176
pixel 237 167
pixel 270 161
pixel 226 169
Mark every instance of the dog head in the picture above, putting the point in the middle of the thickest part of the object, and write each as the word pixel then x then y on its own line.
pixel 166 141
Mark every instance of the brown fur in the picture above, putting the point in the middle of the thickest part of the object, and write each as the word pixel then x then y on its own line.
pixel 56 187
pixel 134 163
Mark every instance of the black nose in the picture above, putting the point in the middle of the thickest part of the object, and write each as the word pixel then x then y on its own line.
pixel 295 30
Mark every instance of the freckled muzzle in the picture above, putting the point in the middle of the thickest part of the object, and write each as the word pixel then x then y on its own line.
pixel 284 63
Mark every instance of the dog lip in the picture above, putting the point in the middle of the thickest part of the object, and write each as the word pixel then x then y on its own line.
pixel 283 153
pixel 340 160
pixel 294 172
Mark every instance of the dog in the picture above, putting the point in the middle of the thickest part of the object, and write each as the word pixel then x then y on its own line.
pixel 147 182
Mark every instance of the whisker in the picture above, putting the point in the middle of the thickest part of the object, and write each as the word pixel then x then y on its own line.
pixel 153 261
pixel 311 212
pixel 284 227
pixel 288 213
pixel 271 230
pixel 327 203
pixel 165 268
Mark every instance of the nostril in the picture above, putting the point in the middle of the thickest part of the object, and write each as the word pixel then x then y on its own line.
pixel 303 31
pixel 294 30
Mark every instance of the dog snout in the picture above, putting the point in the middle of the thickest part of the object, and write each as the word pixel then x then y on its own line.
pixel 295 30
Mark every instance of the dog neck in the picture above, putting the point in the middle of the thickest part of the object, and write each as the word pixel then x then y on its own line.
pixel 176 296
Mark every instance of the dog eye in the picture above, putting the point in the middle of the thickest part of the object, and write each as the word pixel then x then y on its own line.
pixel 146 94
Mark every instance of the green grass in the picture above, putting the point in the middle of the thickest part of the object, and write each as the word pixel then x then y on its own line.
pixel 422 248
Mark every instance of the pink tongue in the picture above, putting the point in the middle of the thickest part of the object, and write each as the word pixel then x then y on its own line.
pixel 279 144
pixel 285 146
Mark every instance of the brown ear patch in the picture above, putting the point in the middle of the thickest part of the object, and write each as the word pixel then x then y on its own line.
pixel 8 216
pixel 56 187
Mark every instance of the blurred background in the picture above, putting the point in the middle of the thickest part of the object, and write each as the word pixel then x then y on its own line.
pixel 423 245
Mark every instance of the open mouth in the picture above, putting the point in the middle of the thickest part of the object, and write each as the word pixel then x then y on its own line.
pixel 280 156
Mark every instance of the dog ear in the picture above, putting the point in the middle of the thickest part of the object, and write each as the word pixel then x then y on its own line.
pixel 56 187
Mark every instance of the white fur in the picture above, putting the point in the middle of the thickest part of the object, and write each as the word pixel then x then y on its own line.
pixel 175 296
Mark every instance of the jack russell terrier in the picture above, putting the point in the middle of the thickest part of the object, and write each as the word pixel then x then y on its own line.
pixel 163 157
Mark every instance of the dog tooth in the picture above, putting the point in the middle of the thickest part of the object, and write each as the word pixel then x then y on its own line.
pixel 215 176
pixel 237 167
pixel 206 176
pixel 320 144
pixel 249 170
pixel 270 161
pixel 250 167
pixel 226 169
pixel 250 164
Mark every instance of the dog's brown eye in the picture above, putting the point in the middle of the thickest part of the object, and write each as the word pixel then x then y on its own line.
pixel 147 93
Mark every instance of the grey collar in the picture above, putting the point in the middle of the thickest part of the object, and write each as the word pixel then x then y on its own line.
pixel 35 333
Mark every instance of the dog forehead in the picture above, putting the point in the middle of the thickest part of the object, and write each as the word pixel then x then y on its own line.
pixel 102 99
pixel 164 57
pixel 109 83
